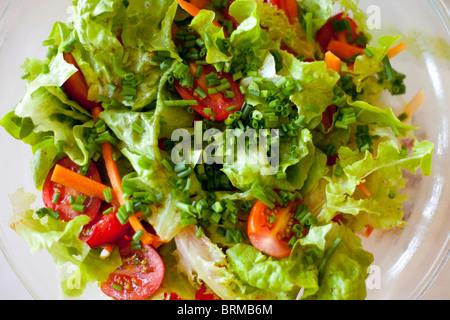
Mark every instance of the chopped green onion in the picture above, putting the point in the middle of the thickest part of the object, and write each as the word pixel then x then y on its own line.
pixel 78 207
pixel 56 197
pixel 108 211
pixel 108 195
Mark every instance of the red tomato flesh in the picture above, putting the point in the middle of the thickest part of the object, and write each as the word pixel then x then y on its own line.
pixel 139 276
pixel 267 237
pixel 217 102
pixel 105 229
pixel 327 33
pixel 76 87
pixel 92 204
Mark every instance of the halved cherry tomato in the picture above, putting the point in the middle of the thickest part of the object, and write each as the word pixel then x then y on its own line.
pixel 104 229
pixel 50 189
pixel 327 32
pixel 139 276
pixel 217 102
pixel 267 237
pixel 76 87
pixel 327 117
pixel 202 295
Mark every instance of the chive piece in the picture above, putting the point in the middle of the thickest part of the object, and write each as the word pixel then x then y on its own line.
pixel 402 116
pixel 368 53
pixel 388 69
pixel 108 195
pixel 108 211
pixel 308 26
pixel 117 287
pixel 207 111
pixel 201 92
pixel 138 235
pixel 56 197
pixel 78 207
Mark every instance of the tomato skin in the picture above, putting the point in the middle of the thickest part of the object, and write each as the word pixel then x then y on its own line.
pixel 327 33
pixel 76 87
pixel 104 229
pixel 261 235
pixel 217 102
pixel 92 204
pixel 140 275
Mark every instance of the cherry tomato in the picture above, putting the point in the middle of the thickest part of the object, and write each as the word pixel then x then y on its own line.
pixel 271 237
pixel 76 87
pixel 217 102
pixel 62 205
pixel 327 117
pixel 202 295
pixel 105 229
pixel 327 33
pixel 140 275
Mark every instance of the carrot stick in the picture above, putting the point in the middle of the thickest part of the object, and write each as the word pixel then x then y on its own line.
pixel 332 61
pixel 392 52
pixel 290 8
pixel 192 9
pixel 344 51
pixel 116 182
pixel 76 181
pixel 363 188
pixel 414 104
pixel 200 3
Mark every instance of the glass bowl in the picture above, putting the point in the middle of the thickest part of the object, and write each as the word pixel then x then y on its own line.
pixel 406 261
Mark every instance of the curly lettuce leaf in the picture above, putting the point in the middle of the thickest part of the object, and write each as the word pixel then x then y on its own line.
pixel 61 240
pixel 382 175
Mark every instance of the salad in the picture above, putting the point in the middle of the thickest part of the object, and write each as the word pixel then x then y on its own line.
pixel 214 149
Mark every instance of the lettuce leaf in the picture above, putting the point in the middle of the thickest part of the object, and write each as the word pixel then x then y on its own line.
pixel 383 177
pixel 340 275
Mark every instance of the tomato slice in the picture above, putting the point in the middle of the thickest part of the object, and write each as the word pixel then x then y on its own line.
pixel 327 32
pixel 267 237
pixel 50 189
pixel 76 87
pixel 139 276
pixel 105 229
pixel 217 102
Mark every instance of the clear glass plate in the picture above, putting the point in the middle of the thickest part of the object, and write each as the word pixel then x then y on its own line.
pixel 406 261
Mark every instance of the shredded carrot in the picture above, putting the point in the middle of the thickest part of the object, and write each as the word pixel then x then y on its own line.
pixel 368 231
pixel 96 112
pixel 363 188
pixel 200 3
pixel 414 104
pixel 343 50
pixel 392 52
pixel 333 62
pixel 192 9
pixel 76 181
pixel 290 8
pixel 116 182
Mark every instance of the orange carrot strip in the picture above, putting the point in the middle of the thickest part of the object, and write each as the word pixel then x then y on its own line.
pixel 392 52
pixel 344 51
pixel 116 182
pixel 363 188
pixel 414 104
pixel 290 8
pixel 200 3
pixel 332 61
pixel 96 112
pixel 76 181
pixel 192 9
